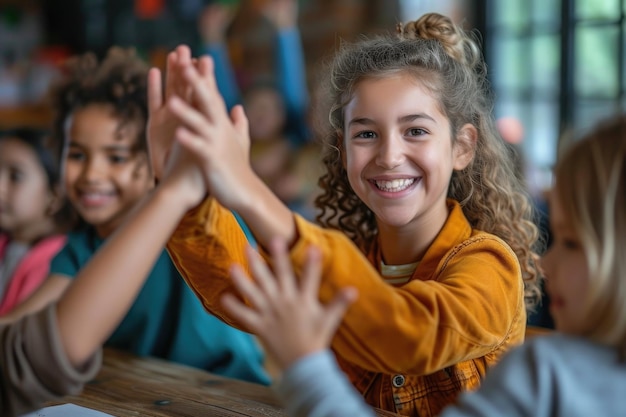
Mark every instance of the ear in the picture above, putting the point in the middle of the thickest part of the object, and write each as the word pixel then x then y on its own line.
pixel 465 146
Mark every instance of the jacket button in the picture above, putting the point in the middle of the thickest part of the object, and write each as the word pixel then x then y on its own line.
pixel 398 381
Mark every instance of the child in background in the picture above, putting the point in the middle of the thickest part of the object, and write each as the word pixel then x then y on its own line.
pixel 53 352
pixel 435 230
pixel 580 372
pixel 276 107
pixel 32 214
pixel 101 121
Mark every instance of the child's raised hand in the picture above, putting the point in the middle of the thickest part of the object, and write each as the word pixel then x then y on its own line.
pixel 183 177
pixel 161 123
pixel 220 141
pixel 282 13
pixel 213 22
pixel 283 312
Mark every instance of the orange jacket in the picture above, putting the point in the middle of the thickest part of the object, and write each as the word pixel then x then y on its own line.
pixel 409 349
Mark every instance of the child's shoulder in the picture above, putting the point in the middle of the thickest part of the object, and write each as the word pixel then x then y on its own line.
pixel 481 242
pixel 81 244
pixel 564 354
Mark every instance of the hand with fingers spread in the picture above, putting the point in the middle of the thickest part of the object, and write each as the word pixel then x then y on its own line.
pixel 283 312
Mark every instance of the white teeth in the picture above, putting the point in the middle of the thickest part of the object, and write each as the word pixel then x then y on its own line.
pixel 395 185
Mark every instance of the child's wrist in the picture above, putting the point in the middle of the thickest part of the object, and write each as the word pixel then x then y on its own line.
pixel 172 193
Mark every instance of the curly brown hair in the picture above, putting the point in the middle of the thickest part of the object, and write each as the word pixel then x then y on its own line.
pixel 448 62
pixel 119 81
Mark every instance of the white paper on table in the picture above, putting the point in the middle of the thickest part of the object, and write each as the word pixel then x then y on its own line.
pixel 67 410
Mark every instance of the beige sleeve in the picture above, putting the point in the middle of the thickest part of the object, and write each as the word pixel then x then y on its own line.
pixel 33 364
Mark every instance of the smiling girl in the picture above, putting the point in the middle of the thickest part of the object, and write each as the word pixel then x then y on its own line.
pixel 422 211
pixel 101 119
pixel 579 371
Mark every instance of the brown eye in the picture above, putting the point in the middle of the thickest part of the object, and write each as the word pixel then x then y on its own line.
pixel 368 134
pixel 416 131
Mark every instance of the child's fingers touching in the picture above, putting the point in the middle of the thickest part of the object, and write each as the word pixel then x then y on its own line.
pixel 261 272
pixel 205 92
pixel 170 64
pixel 189 116
pixel 312 273
pixel 249 290
pixel 205 66
pixel 243 314
pixel 240 121
pixel 177 83
pixel 336 309
pixel 282 267
pixel 155 90
pixel 193 143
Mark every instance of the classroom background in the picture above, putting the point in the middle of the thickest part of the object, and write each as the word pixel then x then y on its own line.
pixel 556 66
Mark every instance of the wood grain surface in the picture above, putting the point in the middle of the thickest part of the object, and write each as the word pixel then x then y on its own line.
pixel 131 386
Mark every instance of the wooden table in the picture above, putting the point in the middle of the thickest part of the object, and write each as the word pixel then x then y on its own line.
pixel 131 386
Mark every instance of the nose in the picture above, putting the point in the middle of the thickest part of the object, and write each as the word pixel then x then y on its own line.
pixel 391 152
pixel 93 169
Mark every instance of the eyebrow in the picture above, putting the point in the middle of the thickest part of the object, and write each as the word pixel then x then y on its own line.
pixel 403 119
pixel 110 148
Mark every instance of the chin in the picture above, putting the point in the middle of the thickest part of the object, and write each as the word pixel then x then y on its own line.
pixel 394 221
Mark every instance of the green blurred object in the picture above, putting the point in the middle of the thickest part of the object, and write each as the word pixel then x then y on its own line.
pixel 11 15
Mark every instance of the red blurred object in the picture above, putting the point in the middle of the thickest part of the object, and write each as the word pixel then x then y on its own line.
pixel 149 9
pixel 54 55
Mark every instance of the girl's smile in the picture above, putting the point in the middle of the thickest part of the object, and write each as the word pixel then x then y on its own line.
pixel 105 175
pixel 399 156
pixel 395 186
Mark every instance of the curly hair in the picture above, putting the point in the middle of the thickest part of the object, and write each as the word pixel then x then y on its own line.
pixel 119 80
pixel 447 61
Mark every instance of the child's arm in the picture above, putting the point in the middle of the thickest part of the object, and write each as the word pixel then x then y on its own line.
pixel 97 300
pixel 290 66
pixel 49 291
pixel 223 142
pixel 106 287
pixel 213 23
pixel 456 310
pixel 296 330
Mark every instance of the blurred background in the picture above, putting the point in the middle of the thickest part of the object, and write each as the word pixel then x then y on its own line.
pixel 556 66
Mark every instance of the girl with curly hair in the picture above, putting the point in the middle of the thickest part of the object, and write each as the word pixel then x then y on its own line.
pixel 579 371
pixel 421 212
